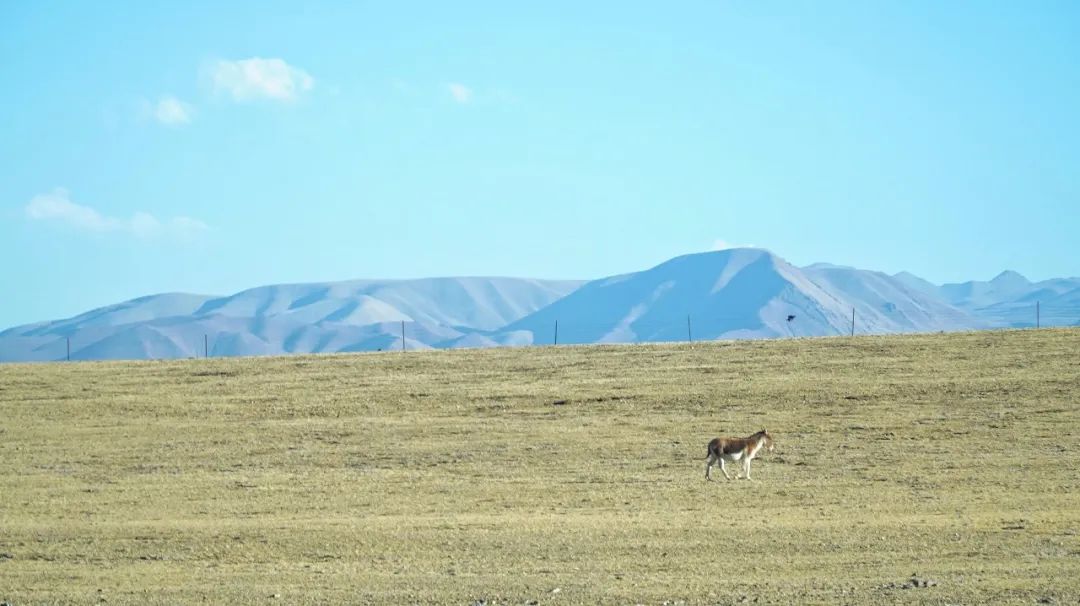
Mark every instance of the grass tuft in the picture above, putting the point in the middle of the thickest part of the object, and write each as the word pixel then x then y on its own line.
pixel 908 469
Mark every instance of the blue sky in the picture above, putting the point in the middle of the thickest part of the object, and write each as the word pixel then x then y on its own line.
pixel 210 147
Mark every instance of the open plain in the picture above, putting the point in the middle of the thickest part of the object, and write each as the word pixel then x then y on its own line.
pixel 937 469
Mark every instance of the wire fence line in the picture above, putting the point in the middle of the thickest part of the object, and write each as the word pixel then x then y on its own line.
pixel 793 323
pixel 704 327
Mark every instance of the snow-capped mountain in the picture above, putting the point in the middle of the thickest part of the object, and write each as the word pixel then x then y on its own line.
pixel 1011 300
pixel 357 315
pixel 883 304
pixel 736 293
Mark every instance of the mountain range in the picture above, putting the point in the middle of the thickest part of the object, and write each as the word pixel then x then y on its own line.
pixel 730 294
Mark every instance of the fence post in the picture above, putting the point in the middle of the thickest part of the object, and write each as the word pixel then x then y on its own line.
pixel 1037 318
pixel 556 332
pixel 403 335
pixel 853 320
pixel 205 346
pixel 689 334
pixel 68 348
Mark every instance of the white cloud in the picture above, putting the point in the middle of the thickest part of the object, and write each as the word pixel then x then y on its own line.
pixel 57 206
pixel 725 245
pixel 256 78
pixel 460 92
pixel 171 111
pixel 144 225
pixel 186 226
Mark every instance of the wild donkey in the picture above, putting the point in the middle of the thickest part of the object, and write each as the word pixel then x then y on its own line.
pixel 735 449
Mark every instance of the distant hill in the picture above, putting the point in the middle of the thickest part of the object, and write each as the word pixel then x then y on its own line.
pixel 1009 300
pixel 738 293
pixel 357 315
pixel 729 294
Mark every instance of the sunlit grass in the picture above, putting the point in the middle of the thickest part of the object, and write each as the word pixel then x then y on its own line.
pixel 557 475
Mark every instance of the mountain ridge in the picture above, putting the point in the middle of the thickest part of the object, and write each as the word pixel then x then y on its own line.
pixel 732 293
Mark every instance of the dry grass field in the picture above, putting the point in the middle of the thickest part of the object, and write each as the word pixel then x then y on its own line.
pixel 570 475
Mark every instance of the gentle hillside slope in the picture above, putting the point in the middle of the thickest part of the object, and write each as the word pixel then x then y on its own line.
pixel 291 318
pixel 129 312
pixel 885 304
pixel 477 303
pixel 454 477
pixel 1009 300
pixel 1006 286
pixel 729 294
pixel 738 293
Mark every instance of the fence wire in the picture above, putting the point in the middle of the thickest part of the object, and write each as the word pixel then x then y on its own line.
pixel 410 335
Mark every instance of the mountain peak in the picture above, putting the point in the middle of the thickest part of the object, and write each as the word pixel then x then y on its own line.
pixel 718 263
pixel 1010 277
pixel 826 265
pixel 905 274
pixel 730 293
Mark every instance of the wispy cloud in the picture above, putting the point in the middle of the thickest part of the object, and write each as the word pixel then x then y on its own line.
pixel 56 206
pixel 147 226
pixel 257 78
pixel 725 245
pixel 171 111
pixel 461 93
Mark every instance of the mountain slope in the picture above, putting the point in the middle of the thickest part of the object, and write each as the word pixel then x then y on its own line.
pixel 291 318
pixel 479 303
pixel 141 309
pixel 1011 300
pixel 1007 285
pixel 884 303
pixel 917 284
pixel 735 293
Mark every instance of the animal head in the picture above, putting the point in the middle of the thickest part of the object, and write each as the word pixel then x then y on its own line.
pixel 768 440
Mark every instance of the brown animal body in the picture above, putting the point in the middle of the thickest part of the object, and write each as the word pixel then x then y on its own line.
pixel 736 449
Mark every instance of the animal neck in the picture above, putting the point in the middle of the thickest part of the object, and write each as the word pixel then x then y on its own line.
pixel 756 442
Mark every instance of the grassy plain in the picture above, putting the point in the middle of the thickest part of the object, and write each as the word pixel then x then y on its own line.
pixel 550 475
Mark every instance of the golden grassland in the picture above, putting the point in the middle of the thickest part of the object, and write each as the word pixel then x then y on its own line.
pixel 561 475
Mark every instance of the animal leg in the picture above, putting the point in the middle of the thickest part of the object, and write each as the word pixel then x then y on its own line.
pixel 723 468
pixel 746 467
pixel 708 467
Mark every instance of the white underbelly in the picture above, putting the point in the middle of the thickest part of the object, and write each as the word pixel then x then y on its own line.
pixel 734 456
